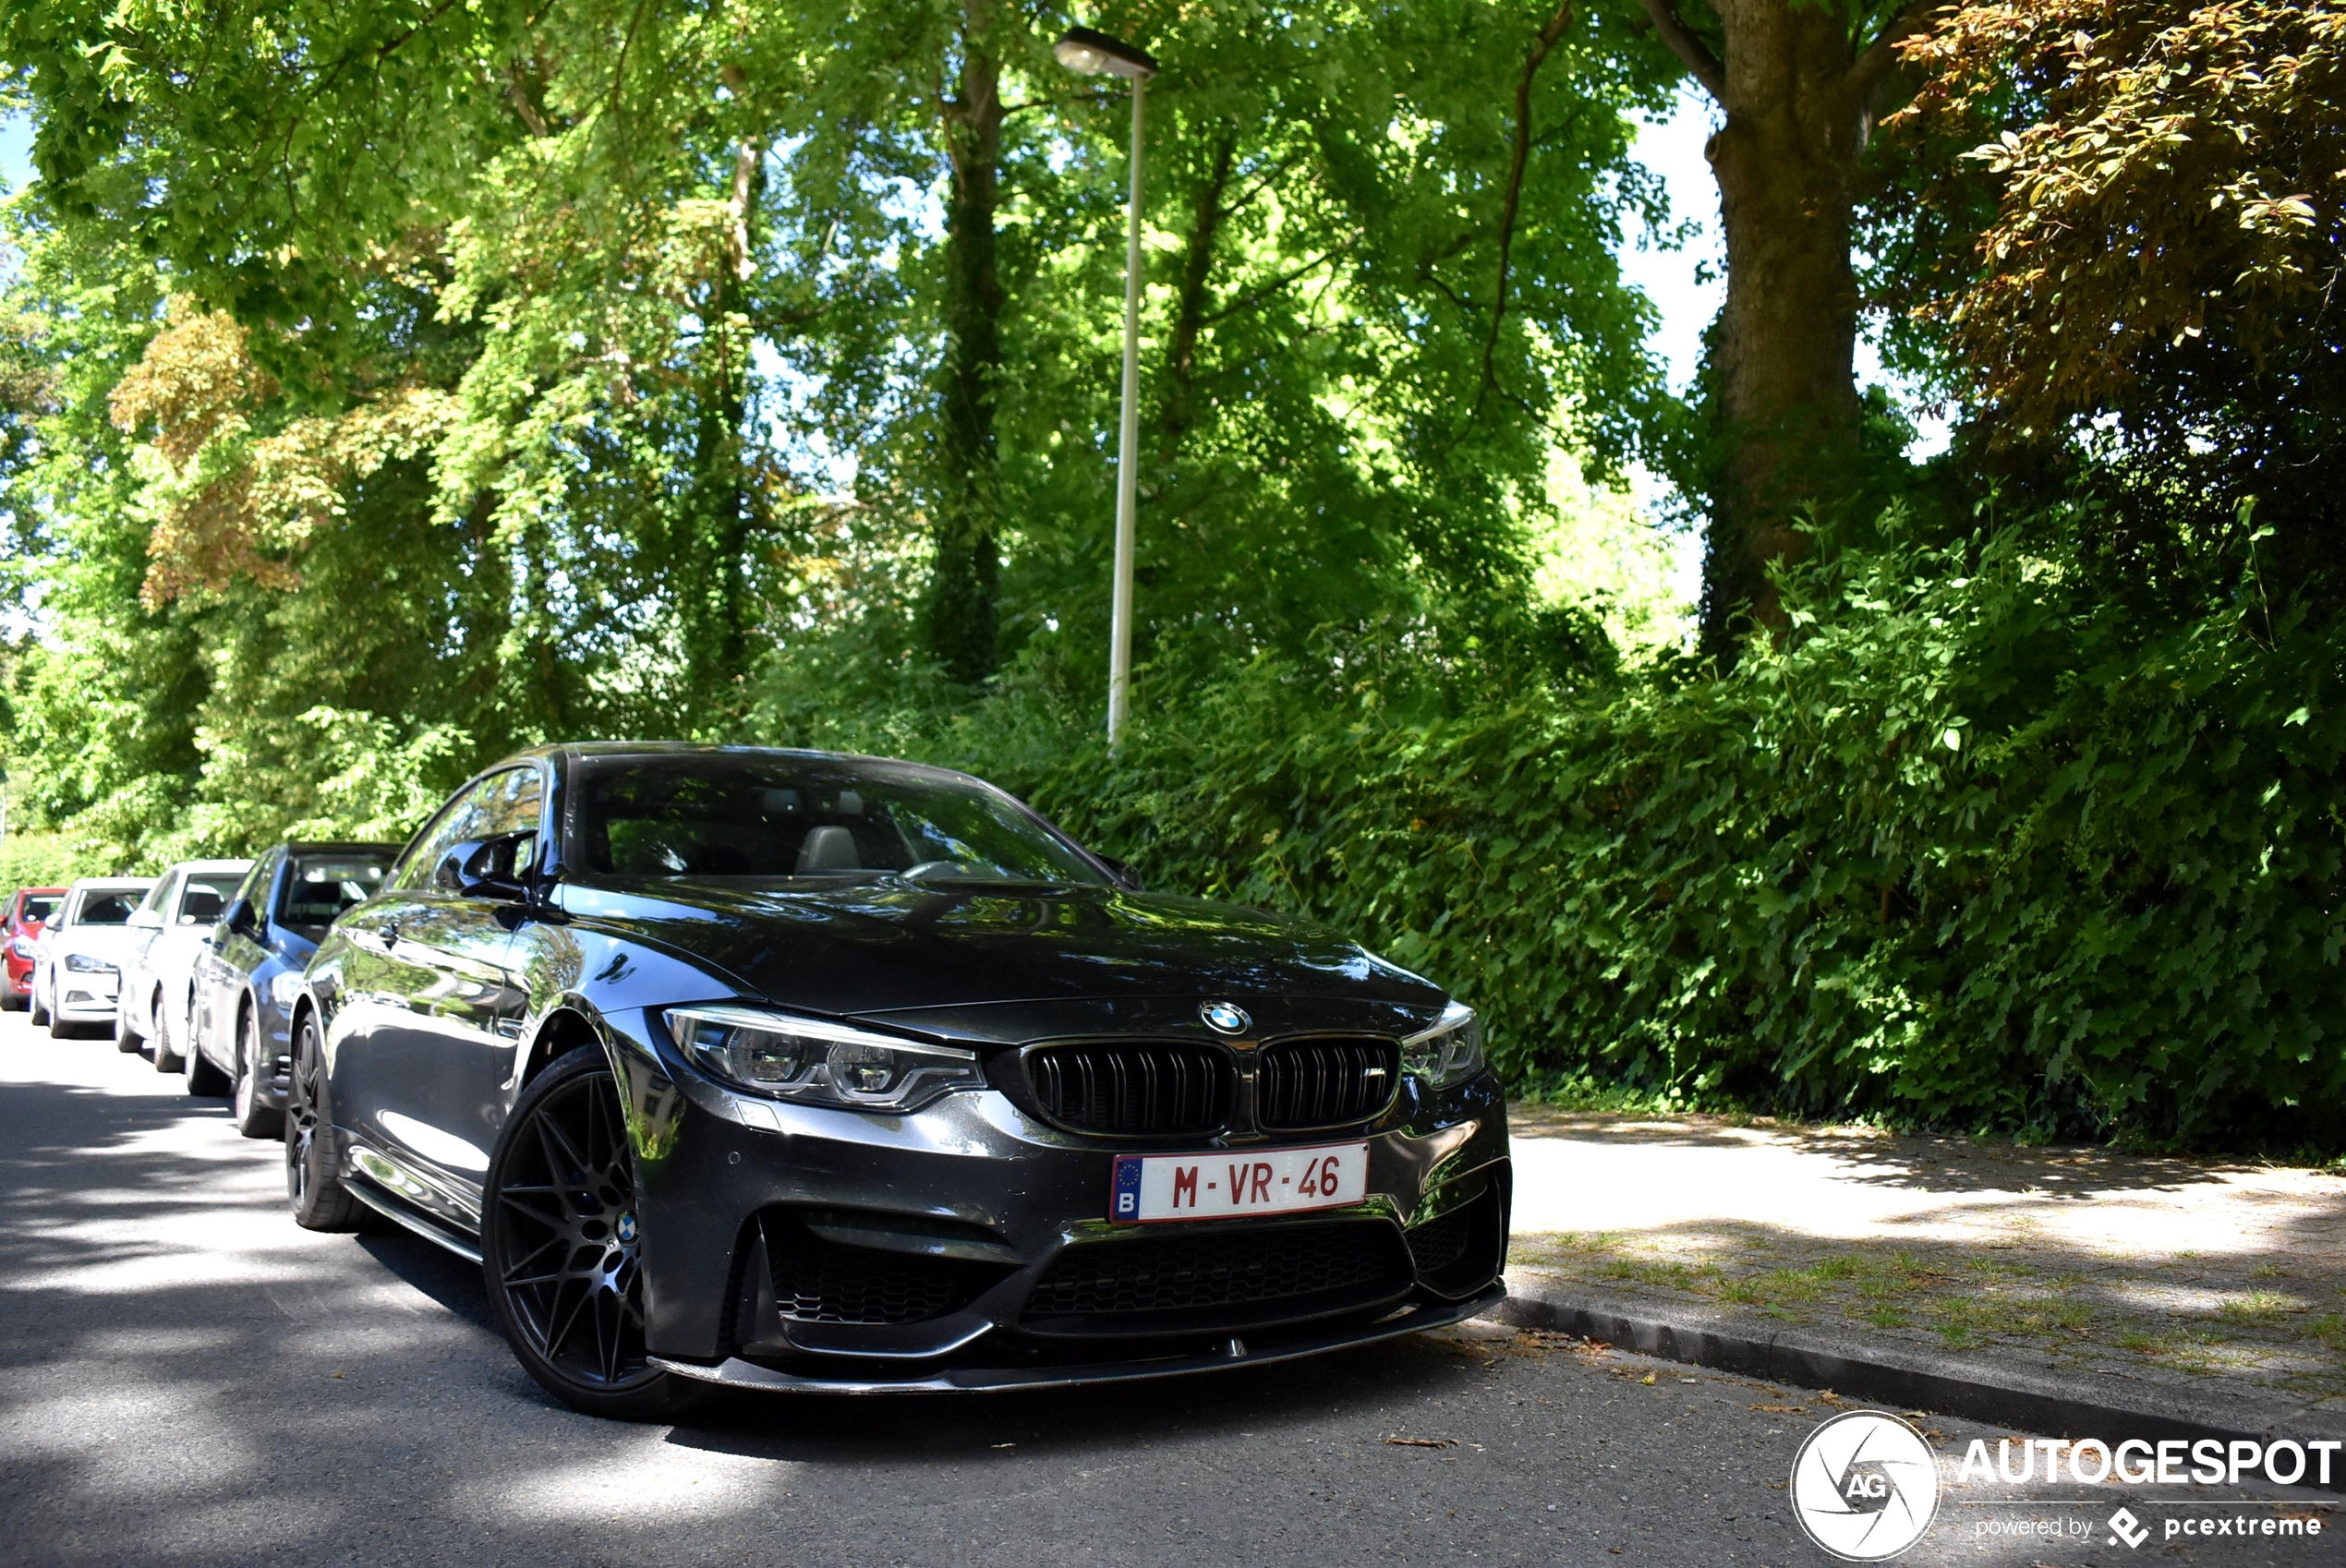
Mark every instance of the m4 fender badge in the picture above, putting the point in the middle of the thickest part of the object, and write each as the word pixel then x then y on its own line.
pixel 1224 1018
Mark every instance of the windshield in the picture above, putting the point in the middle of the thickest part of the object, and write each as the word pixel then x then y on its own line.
pixel 782 816
pixel 40 908
pixel 321 887
pixel 101 907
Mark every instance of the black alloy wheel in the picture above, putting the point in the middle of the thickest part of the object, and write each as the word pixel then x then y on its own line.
pixel 254 1117
pixel 559 1245
pixel 312 1184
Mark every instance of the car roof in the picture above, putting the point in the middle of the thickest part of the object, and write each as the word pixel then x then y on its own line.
pixel 585 750
pixel 35 892
pixel 339 847
pixel 112 884
pixel 212 865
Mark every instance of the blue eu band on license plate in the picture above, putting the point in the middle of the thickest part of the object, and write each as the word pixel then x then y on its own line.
pixel 1152 1188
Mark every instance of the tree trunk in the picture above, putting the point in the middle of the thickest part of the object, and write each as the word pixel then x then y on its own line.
pixel 959 616
pixel 1795 81
pixel 724 515
pixel 1188 315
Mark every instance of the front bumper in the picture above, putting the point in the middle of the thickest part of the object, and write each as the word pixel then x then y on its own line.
pixel 88 998
pixel 789 1247
pixel 734 1372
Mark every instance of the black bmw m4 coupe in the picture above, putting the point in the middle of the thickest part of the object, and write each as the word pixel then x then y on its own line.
pixel 790 1070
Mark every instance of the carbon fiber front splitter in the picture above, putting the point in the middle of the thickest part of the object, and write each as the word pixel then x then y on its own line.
pixel 733 1372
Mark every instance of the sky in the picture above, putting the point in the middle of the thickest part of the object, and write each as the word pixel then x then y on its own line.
pixel 15 150
pixel 1674 151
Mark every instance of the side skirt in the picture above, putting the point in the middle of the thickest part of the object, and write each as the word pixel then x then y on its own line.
pixel 399 1213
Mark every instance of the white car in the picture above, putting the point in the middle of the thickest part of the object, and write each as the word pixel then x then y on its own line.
pixel 159 980
pixel 76 962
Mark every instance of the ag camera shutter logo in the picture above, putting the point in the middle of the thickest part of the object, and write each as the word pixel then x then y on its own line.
pixel 1865 1486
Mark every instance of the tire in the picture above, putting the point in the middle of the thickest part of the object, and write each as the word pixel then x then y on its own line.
pixel 313 1180
pixel 254 1117
pixel 168 1056
pixel 40 1015
pixel 558 1247
pixel 126 1034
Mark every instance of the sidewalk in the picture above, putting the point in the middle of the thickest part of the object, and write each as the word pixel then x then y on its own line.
pixel 2158 1285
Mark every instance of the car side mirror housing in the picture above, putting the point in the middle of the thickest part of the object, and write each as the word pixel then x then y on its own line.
pixel 239 919
pixel 148 919
pixel 1125 877
pixel 482 868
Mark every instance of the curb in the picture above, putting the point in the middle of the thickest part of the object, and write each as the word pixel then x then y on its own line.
pixel 1901 1377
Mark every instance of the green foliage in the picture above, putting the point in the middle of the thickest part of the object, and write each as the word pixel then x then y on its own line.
pixel 1976 849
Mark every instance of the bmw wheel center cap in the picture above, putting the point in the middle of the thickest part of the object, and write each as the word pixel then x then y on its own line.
pixel 1225 1018
pixel 626 1229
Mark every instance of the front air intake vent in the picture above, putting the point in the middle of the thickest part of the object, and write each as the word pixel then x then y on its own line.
pixel 818 1280
pixel 1311 1083
pixel 1140 1090
pixel 1172 1283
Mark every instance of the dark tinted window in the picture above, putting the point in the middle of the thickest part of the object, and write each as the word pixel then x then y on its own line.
pixel 321 886
pixel 780 817
pixel 105 909
pixel 38 907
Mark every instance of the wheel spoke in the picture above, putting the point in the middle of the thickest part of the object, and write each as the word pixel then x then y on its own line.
pixel 531 1258
pixel 560 1335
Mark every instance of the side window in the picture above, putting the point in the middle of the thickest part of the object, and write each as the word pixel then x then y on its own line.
pixel 502 803
pixel 254 888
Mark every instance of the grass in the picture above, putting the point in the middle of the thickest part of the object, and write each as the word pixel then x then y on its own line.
pixel 1970 1301
pixel 2260 1308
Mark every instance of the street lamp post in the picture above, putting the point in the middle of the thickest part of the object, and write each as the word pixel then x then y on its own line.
pixel 1091 53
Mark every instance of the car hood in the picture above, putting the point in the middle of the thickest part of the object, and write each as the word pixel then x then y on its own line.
pixel 892 947
pixel 113 943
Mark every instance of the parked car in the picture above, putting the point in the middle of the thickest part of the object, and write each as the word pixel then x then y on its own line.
pixel 158 974
pixel 28 909
pixel 252 972
pixel 76 960
pixel 791 1070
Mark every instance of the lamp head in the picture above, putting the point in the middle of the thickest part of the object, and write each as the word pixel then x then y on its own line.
pixel 1088 52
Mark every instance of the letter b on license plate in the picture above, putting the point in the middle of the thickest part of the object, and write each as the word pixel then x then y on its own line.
pixel 1214 1187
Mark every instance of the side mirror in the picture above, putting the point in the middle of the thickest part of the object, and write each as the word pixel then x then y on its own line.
pixel 482 868
pixel 148 919
pixel 239 919
pixel 1125 877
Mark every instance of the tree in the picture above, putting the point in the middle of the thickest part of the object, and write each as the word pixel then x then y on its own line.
pixel 2156 282
pixel 1800 84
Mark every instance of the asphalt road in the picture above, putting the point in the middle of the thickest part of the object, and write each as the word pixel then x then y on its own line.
pixel 188 1378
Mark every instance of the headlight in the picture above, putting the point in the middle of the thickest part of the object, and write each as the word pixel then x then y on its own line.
pixel 1449 1053
pixel 20 948
pixel 285 988
pixel 819 1063
pixel 82 964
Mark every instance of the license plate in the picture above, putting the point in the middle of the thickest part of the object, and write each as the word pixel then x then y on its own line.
pixel 1216 1187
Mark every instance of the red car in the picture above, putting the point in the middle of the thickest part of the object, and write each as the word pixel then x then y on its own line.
pixel 29 908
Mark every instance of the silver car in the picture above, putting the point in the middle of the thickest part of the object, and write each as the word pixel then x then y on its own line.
pixel 76 962
pixel 172 931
